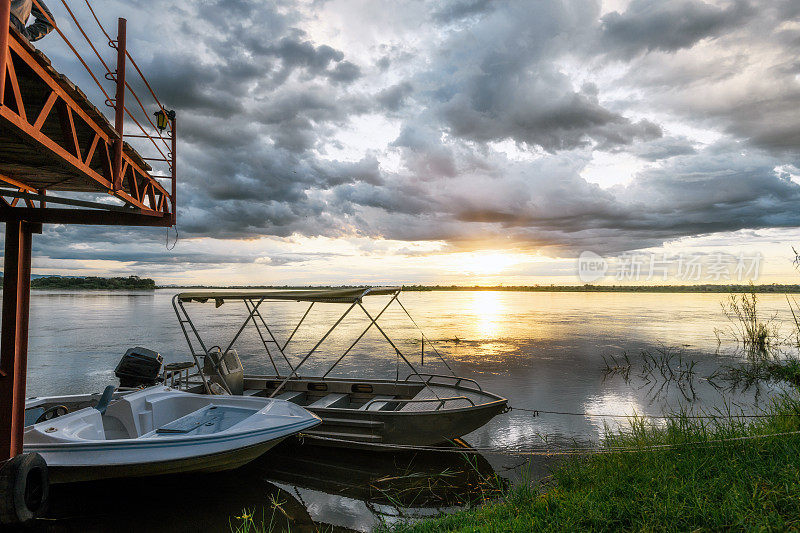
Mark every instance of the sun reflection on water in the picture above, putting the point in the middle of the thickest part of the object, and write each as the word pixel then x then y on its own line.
pixel 613 403
pixel 489 310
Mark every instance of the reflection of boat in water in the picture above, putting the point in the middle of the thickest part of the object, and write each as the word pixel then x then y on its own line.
pixel 176 504
pixel 422 409
pixel 409 479
pixel 156 431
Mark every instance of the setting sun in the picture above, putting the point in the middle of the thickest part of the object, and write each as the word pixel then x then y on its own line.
pixel 488 263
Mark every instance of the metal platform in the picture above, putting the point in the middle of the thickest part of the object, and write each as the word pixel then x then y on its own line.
pixel 52 138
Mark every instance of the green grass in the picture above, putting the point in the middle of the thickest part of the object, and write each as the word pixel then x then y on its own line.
pixel 698 484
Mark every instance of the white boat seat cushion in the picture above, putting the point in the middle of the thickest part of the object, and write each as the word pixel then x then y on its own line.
pixel 334 399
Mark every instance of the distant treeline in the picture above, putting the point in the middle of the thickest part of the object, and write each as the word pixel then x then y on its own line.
pixel 129 283
pixel 773 288
pixel 710 288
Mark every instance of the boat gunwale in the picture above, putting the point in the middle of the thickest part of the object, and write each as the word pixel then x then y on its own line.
pixel 148 442
pixel 153 439
pixel 496 398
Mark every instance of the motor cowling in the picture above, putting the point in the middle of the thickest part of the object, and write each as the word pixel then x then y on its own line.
pixel 139 367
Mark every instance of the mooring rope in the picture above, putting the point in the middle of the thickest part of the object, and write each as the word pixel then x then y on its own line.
pixel 564 451
pixel 537 412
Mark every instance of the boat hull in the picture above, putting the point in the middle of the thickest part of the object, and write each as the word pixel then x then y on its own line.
pixel 381 430
pixel 162 431
pixel 215 462
pixel 341 427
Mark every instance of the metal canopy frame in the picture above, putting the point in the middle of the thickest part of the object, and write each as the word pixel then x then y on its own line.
pixel 253 304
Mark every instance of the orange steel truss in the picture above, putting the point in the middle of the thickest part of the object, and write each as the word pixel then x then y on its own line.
pixel 55 143
pixel 54 140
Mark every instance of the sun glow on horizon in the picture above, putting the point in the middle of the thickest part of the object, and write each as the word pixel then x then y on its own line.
pixel 486 263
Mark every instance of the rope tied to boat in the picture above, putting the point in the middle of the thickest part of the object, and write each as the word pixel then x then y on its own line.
pixel 553 452
pixel 535 413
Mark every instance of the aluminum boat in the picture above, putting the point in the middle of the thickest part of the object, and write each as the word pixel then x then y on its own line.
pixel 421 409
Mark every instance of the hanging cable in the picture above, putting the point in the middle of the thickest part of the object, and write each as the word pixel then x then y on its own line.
pixel 537 412
pixel 166 244
pixel 596 450
pixel 424 336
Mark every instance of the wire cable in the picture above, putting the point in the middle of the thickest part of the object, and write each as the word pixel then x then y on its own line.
pixel 554 452
pixel 537 412
pixel 425 337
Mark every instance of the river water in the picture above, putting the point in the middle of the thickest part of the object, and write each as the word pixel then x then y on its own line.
pixel 543 351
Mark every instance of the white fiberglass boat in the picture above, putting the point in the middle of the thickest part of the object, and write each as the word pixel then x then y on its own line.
pixel 159 430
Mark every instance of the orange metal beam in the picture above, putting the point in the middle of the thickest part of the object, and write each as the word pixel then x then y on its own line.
pixel 5 18
pixel 14 337
pixel 25 56
pixel 16 183
pixel 119 101
pixel 15 87
pixel 45 112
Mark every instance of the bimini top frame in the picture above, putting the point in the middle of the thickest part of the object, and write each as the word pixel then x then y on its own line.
pixel 253 300
pixel 322 295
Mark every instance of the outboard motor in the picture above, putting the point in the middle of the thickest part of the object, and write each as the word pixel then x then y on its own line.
pixel 139 367
pixel 230 368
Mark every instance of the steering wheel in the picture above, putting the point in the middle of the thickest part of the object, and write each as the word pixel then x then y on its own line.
pixel 52 412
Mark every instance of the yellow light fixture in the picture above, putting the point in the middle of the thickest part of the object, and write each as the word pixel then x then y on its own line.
pixel 163 118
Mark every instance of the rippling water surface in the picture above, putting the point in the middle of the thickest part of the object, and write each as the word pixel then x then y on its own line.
pixel 544 351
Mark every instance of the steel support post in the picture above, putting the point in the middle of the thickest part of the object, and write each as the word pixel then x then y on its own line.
pixel 14 336
pixel 5 22
pixel 174 170
pixel 119 103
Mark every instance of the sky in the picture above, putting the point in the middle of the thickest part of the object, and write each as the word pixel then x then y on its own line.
pixel 461 142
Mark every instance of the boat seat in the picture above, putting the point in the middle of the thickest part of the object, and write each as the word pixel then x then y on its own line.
pixel 331 400
pixel 379 403
pixel 294 396
pixel 431 392
pixel 251 392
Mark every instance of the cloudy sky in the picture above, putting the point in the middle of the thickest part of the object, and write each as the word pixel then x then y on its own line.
pixel 459 141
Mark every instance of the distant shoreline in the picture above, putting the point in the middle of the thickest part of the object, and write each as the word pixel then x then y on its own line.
pixel 130 283
pixel 136 283
pixel 707 288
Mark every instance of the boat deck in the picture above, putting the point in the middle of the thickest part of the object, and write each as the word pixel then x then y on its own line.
pixel 436 392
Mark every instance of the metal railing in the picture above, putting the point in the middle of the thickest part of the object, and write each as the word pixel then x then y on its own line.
pixel 122 87
pixel 440 401
pixel 458 380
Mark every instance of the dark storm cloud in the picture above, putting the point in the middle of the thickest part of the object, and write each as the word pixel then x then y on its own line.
pixel 293 53
pixel 649 25
pixel 262 105
pixel 502 83
pixel 459 9
pixel 746 86
pixel 392 98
